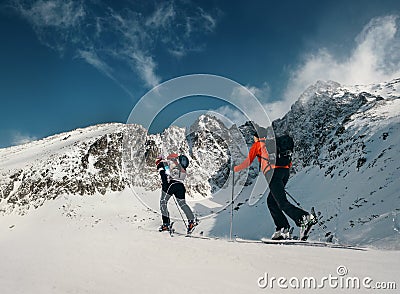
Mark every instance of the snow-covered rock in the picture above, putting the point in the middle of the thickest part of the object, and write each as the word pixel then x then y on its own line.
pixel 83 161
pixel 346 158
pixel 345 163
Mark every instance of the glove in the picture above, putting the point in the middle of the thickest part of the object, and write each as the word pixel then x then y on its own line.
pixel 236 169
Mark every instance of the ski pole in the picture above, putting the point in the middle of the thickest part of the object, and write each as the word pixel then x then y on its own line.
pixel 295 201
pixel 319 225
pixel 180 212
pixel 233 189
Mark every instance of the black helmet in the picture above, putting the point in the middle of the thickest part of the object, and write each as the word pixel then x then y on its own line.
pixel 258 132
pixel 183 161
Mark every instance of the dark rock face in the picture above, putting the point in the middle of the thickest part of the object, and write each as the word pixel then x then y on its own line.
pixel 86 168
pixel 316 119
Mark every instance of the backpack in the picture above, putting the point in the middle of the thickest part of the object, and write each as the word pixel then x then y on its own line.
pixel 284 150
pixel 176 169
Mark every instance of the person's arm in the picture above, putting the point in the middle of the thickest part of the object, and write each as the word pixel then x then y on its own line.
pixel 246 163
pixel 163 175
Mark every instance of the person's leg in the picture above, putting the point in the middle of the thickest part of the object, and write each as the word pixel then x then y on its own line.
pixel 277 188
pixel 186 209
pixel 279 218
pixel 164 207
pixel 179 190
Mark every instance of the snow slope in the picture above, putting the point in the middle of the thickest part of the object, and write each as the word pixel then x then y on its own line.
pixel 360 203
pixel 104 244
pixel 347 163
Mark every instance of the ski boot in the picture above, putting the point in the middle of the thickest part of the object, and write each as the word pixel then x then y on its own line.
pixel 164 227
pixel 191 226
pixel 306 223
pixel 282 234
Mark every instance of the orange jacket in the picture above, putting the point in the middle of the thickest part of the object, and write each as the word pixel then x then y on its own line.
pixel 258 149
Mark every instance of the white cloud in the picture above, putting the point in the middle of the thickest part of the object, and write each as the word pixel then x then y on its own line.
pixel 249 103
pixel 18 138
pixel 162 16
pixel 273 110
pixel 375 58
pixel 178 52
pixel 146 67
pixel 125 38
pixel 229 115
pixel 261 93
pixel 93 59
pixel 277 109
pixel 54 21
pixel 56 13
pixel 209 22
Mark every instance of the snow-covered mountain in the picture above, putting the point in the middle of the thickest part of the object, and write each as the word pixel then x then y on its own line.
pixel 346 163
pixel 110 157
pixel 83 162
pixel 70 221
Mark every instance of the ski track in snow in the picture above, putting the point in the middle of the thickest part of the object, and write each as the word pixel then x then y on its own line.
pixel 93 245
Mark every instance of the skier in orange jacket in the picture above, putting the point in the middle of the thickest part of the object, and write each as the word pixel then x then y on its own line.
pixel 277 175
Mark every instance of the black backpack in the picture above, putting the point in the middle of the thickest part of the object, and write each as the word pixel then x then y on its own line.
pixel 284 150
pixel 177 166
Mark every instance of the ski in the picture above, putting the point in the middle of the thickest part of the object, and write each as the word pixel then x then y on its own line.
pixel 170 230
pixel 195 236
pixel 241 240
pixel 294 242
pixel 173 232
pixel 310 243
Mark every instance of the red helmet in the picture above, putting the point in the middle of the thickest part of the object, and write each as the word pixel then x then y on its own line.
pixel 173 156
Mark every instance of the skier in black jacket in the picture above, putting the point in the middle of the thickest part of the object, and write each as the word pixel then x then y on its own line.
pixel 172 185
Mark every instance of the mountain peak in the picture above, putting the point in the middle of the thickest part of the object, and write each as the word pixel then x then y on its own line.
pixel 207 122
pixel 319 88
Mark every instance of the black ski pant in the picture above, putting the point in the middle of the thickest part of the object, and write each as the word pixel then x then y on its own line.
pixel 277 201
pixel 178 190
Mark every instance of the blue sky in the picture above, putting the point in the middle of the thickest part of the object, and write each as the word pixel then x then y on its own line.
pixel 69 64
